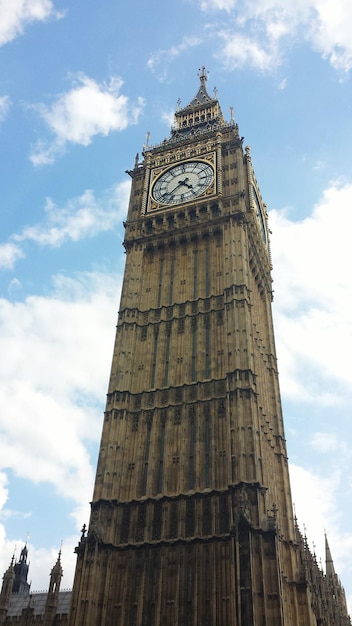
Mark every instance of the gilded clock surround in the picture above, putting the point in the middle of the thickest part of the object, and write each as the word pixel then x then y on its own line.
pixel 184 182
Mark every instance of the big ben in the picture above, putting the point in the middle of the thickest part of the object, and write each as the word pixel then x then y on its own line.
pixel 191 517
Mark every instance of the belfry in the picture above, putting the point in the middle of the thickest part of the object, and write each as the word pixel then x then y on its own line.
pixel 191 517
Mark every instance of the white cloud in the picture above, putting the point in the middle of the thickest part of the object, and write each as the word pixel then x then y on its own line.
pixel 81 217
pixel 5 103
pixel 10 513
pixel 85 216
pixel 156 63
pixel 328 442
pixel 14 287
pixel 54 377
pixel 3 489
pixel 315 503
pixel 238 50
pixel 331 33
pixel 274 24
pixel 15 15
pixel 168 117
pixel 317 500
pixel 312 260
pixel 211 5
pixel 9 254
pixel 86 110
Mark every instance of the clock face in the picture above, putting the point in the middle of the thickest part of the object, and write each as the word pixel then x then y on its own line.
pixel 183 182
pixel 259 214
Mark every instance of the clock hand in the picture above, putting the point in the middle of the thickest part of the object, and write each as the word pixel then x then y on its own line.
pixel 187 185
pixel 175 189
pixel 181 183
pixel 184 183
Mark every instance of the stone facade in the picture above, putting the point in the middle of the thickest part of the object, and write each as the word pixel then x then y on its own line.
pixel 191 519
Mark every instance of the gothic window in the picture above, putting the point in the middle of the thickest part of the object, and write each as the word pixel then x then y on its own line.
pixel 192 214
pixel 125 524
pixel 141 522
pixel 178 395
pixel 157 520
pixel 173 519
pixel 223 514
pixel 137 402
pixel 206 516
pixel 190 518
pixel 177 418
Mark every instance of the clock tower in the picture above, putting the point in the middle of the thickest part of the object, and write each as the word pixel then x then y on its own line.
pixel 191 518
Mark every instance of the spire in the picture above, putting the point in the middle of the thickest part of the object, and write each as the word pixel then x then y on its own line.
pixel 335 589
pixel 24 554
pixel 329 563
pixel 6 590
pixel 8 579
pixel 201 115
pixel 20 584
pixel 202 97
pixel 53 593
pixel 56 575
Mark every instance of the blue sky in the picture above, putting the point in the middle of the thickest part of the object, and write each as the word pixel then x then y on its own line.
pixel 82 83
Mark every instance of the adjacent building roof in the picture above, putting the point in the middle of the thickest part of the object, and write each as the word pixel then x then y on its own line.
pixel 37 601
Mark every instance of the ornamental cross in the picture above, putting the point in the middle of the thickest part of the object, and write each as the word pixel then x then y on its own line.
pixel 203 74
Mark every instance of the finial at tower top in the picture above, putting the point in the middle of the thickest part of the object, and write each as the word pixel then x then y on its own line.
pixel 203 75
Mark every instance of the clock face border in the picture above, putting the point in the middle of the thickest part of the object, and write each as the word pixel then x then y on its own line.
pixel 259 213
pixel 185 184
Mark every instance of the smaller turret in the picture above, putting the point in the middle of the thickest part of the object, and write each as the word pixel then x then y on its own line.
pixel 329 563
pixel 20 584
pixel 53 593
pixel 56 575
pixel 336 598
pixel 6 591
